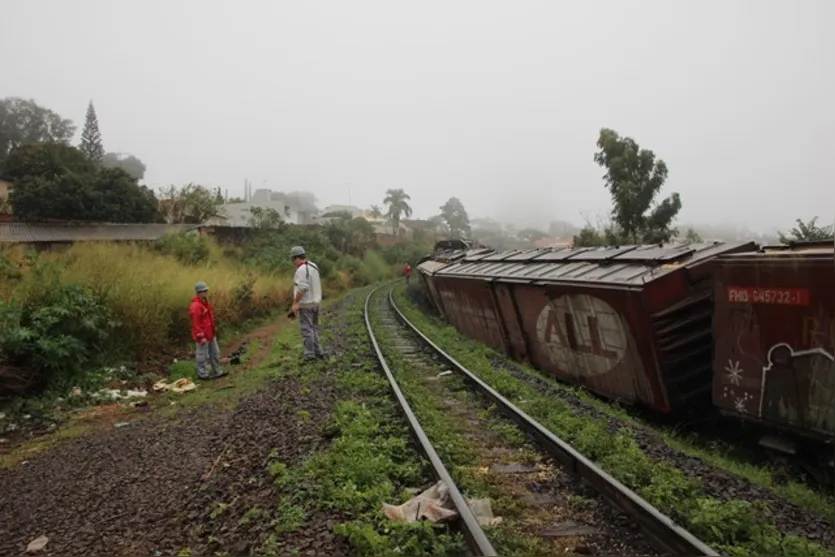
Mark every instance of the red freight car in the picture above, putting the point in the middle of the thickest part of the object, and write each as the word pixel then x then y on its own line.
pixel 775 339
pixel 630 322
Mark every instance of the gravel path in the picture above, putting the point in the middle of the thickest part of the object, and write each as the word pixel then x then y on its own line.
pixel 150 488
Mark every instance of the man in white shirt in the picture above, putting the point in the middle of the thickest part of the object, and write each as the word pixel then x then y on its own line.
pixel 307 297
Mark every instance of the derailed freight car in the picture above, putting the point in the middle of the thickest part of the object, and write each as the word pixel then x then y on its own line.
pixel 774 327
pixel 631 323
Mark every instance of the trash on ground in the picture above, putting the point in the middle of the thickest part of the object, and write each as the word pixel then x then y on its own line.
pixel 37 545
pixel 179 386
pixel 445 373
pixel 116 394
pixel 434 505
pixel 121 425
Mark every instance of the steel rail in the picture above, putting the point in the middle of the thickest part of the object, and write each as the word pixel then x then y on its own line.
pixel 661 531
pixel 476 538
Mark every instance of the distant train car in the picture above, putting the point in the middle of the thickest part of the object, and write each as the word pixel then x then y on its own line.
pixel 774 326
pixel 631 323
pixel 444 253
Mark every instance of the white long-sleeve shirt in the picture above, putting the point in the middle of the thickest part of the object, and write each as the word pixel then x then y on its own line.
pixel 308 281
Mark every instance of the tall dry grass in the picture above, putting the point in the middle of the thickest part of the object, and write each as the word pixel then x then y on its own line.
pixel 148 292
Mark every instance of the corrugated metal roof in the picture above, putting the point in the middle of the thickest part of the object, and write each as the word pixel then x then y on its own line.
pixel 624 265
pixel 34 233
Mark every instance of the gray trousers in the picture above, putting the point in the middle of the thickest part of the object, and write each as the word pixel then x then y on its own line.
pixel 309 325
pixel 208 354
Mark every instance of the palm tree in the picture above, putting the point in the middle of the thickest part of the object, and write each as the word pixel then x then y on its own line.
pixel 375 212
pixel 397 199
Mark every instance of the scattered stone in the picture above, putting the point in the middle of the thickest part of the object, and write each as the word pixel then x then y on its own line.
pixel 512 469
pixel 568 528
pixel 540 500
pixel 3 441
pixel 37 545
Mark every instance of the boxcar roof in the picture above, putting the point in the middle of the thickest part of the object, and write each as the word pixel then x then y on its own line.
pixel 619 265
pixel 799 250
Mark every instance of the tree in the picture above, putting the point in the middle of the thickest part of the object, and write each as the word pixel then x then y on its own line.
pixel 692 236
pixel 398 206
pixel 436 223
pixel 456 218
pixel 265 218
pixel 191 204
pixel 375 212
pixel 130 164
pixel 24 121
pixel 91 136
pixel 634 179
pixel 807 231
pixel 54 180
pixel 350 235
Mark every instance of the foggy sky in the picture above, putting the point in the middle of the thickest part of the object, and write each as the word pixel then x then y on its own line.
pixel 498 103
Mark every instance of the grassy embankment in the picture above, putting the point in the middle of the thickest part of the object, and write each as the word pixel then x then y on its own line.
pixel 736 528
pixel 102 314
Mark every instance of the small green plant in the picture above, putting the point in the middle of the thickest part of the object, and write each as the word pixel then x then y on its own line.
pixel 218 509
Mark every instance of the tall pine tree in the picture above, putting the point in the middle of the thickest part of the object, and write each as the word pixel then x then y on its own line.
pixel 91 136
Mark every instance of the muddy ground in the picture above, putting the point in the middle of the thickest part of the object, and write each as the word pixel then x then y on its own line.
pixel 160 485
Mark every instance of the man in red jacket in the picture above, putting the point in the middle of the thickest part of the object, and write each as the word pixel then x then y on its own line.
pixel 407 270
pixel 204 334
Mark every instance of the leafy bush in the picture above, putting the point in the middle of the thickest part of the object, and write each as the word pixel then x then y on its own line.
pixel 190 249
pixel 57 336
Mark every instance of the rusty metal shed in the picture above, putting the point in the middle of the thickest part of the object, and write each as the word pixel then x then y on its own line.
pixel 775 337
pixel 629 322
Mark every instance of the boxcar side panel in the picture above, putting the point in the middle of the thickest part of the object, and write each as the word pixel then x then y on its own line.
pixel 586 336
pixel 469 307
pixel 509 314
pixel 774 358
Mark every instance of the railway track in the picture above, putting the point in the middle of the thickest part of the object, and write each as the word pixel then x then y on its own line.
pixel 658 530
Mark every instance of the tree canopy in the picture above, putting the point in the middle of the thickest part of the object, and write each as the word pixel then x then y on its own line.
pixel 91 144
pixel 634 178
pixel 24 121
pixel 129 163
pixel 398 206
pixel 191 204
pixel 456 218
pixel 807 231
pixel 264 218
pixel 350 235
pixel 55 180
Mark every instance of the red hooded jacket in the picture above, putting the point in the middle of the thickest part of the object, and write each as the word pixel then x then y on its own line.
pixel 407 270
pixel 202 319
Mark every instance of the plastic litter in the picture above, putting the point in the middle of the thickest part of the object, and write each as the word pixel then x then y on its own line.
pixel 434 505
pixel 179 386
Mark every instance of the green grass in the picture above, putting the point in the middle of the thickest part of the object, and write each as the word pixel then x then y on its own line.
pixel 736 528
pixel 461 454
pixel 371 460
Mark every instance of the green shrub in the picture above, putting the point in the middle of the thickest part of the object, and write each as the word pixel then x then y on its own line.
pixel 190 249
pixel 60 334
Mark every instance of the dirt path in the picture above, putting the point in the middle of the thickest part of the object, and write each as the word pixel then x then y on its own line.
pixel 158 486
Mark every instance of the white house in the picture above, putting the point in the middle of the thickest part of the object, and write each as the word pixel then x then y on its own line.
pixel 238 214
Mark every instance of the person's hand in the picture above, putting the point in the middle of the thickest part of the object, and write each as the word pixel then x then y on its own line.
pixel 295 308
pixel 202 340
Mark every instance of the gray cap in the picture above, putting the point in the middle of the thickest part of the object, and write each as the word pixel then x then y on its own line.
pixel 297 251
pixel 201 287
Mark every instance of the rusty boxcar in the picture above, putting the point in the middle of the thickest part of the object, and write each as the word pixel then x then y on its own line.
pixel 631 323
pixel 774 328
